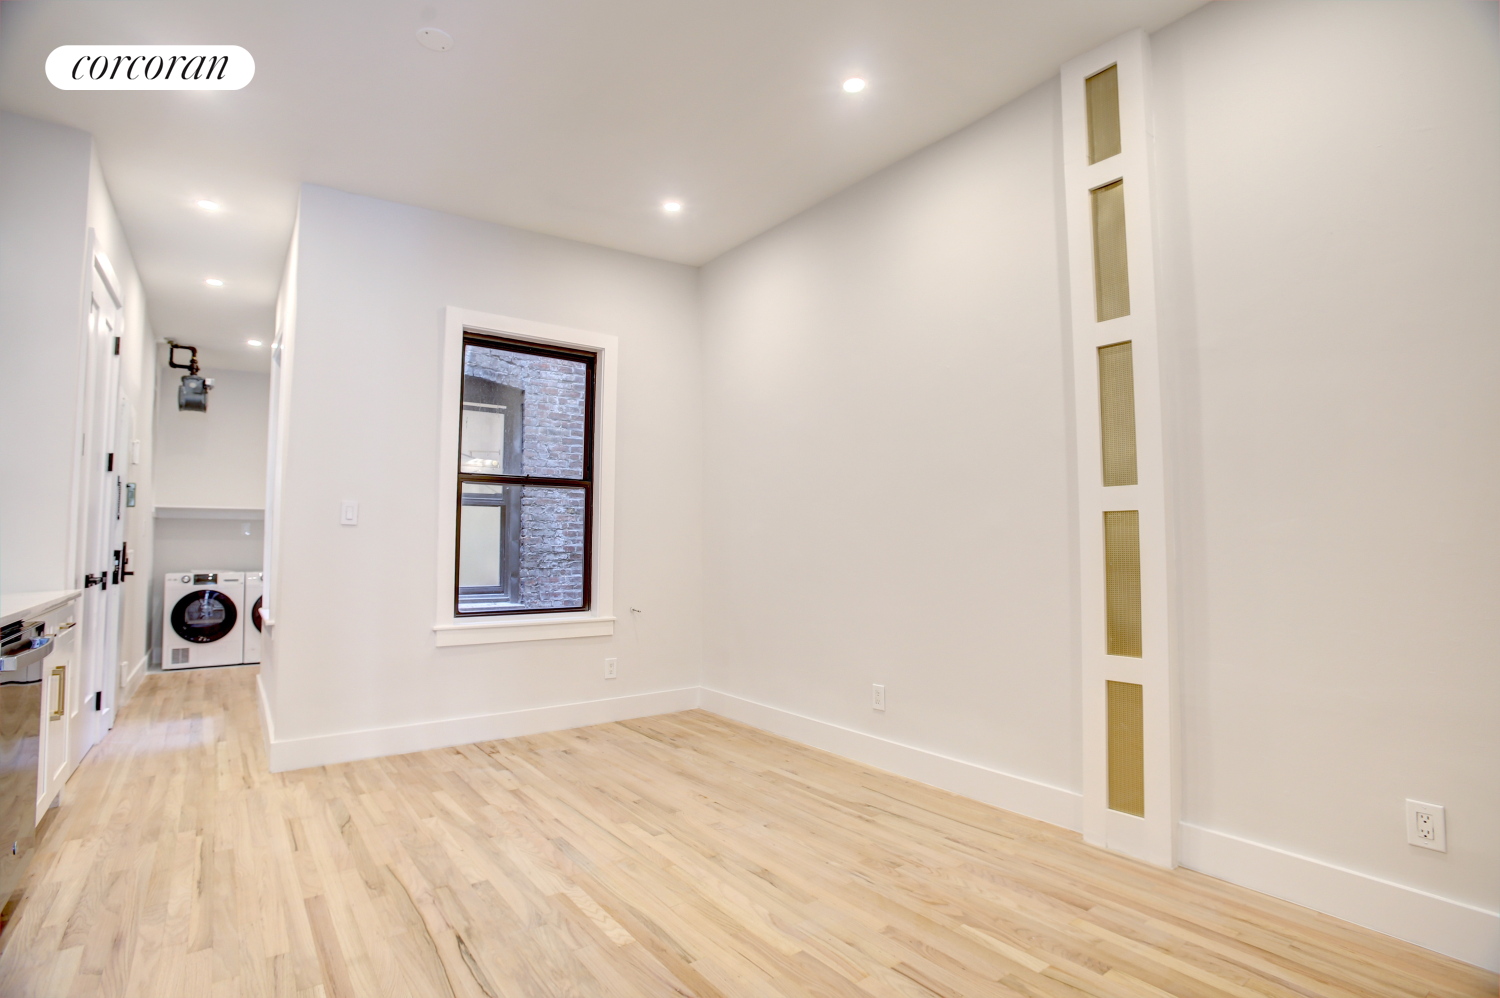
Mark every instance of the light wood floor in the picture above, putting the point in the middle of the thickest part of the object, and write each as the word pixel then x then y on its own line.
pixel 676 855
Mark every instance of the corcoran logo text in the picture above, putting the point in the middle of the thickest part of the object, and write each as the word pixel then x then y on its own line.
pixel 150 67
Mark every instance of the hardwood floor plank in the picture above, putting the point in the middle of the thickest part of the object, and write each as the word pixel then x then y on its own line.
pixel 681 855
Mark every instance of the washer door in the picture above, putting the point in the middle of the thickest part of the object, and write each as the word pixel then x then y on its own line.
pixel 255 614
pixel 203 616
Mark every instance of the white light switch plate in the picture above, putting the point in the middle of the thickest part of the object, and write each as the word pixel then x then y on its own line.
pixel 1426 825
pixel 349 513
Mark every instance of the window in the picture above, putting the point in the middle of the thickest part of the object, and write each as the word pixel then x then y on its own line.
pixel 525 478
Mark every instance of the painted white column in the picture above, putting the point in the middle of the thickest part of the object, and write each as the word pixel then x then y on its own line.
pixel 1153 837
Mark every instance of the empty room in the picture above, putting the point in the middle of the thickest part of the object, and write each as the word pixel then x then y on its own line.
pixel 792 499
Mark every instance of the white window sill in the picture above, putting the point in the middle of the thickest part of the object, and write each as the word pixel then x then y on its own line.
pixel 543 628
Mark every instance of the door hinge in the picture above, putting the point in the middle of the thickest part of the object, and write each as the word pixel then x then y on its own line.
pixel 117 346
pixel 109 463
pixel 98 699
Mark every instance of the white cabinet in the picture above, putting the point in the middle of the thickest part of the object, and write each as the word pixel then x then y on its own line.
pixel 60 693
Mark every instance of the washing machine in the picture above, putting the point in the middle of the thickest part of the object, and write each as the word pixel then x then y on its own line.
pixel 203 619
pixel 254 587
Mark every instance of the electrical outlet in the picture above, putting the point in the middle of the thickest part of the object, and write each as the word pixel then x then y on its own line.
pixel 1426 825
pixel 610 668
pixel 878 701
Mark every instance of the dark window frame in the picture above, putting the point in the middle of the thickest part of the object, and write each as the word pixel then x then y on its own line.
pixel 590 360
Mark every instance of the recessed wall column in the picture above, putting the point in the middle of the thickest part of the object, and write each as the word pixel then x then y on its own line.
pixel 1130 770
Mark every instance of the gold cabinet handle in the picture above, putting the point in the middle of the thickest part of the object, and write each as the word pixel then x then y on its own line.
pixel 60 673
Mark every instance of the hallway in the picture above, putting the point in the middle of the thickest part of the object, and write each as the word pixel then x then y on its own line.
pixel 680 854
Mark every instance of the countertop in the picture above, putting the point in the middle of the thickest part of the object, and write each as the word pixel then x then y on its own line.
pixel 23 606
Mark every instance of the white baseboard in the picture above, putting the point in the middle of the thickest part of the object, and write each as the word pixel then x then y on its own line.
pixel 348 746
pixel 1014 793
pixel 133 678
pixel 267 724
pixel 1442 925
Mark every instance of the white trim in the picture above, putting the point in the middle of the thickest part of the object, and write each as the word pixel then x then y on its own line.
pixel 348 746
pixel 208 513
pixel 448 628
pixel 970 779
pixel 539 628
pixel 135 675
pixel 1455 929
pixel 111 282
pixel 71 574
pixel 267 723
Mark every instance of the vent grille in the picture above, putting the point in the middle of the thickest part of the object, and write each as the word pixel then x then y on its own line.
pixel 180 656
pixel 1122 582
pixel 1117 413
pixel 1127 749
pixel 1102 91
pixel 1111 270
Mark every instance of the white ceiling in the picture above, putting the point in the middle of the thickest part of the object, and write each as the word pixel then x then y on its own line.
pixel 576 118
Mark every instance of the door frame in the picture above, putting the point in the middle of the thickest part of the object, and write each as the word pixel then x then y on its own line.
pixel 91 524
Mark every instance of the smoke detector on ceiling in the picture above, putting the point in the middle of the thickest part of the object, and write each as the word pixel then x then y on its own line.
pixel 435 38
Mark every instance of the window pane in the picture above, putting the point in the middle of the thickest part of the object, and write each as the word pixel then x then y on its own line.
pixel 551 547
pixel 1102 91
pixel 520 548
pixel 489 548
pixel 1117 413
pixel 1122 582
pixel 1111 264
pixel 523 414
pixel 1127 748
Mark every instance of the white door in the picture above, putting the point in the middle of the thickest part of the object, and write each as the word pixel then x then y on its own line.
pixel 115 465
pixel 99 613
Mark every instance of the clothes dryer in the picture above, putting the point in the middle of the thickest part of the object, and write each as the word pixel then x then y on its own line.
pixel 253 590
pixel 203 619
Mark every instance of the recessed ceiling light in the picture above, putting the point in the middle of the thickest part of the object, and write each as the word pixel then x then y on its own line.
pixel 671 206
pixel 209 205
pixel 435 38
pixel 214 282
pixel 853 85
pixel 254 343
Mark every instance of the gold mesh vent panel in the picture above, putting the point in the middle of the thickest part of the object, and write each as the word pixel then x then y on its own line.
pixel 1117 413
pixel 1111 271
pixel 1127 750
pixel 1122 582
pixel 1103 93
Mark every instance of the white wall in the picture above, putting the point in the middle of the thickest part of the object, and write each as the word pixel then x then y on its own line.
pixel 44 201
pixel 1329 254
pixel 889 482
pixel 353 647
pixel 214 458
pixel 887 451
pixel 52 194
